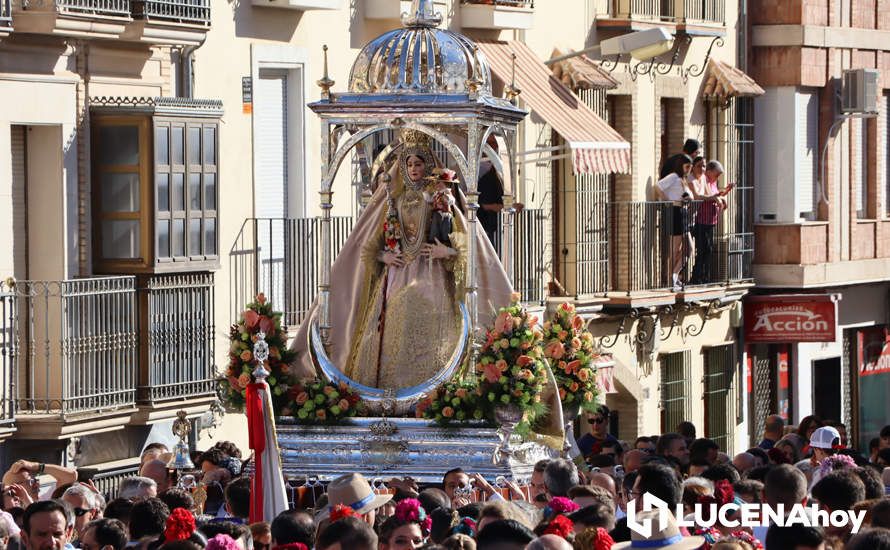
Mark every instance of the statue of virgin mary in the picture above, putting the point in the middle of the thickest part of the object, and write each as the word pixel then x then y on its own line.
pixel 394 298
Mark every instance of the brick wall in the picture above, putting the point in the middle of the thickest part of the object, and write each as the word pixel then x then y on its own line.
pixel 789 66
pixel 883 11
pixel 775 12
pixel 791 244
pixel 862 13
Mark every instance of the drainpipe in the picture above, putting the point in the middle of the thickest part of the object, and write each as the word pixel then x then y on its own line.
pixel 186 80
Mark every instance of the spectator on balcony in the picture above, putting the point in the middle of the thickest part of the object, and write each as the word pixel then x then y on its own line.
pixel 22 478
pixel 691 148
pixel 157 471
pixel 673 188
pixel 137 488
pixel 47 526
pixel 104 534
pixel 705 188
pixel 86 503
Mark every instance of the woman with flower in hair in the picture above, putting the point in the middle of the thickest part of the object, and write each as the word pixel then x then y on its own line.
pixel 407 528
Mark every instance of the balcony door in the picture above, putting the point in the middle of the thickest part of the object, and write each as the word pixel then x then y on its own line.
pixel 19 151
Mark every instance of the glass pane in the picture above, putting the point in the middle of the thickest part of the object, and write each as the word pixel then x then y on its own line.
pixel 120 192
pixel 195 191
pixel 162 145
pixel 210 236
pixel 178 200
pixel 178 237
pixel 194 236
pixel 163 238
pixel 120 239
pixel 194 145
pixel 120 144
pixel 178 144
pixel 210 191
pixel 162 181
pixel 209 145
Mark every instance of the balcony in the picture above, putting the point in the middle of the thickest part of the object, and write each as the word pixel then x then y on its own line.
pixel 690 16
pixel 393 9
pixel 5 17
pixel 497 14
pixel 176 353
pixel 73 355
pixel 72 18
pixel 169 22
pixel 302 5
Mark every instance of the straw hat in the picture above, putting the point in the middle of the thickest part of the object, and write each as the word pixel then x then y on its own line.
pixel 668 538
pixel 353 490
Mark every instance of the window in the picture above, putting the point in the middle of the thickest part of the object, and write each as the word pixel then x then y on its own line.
pixel 886 141
pixel 860 154
pixel 155 193
pixel 720 368
pixel 674 395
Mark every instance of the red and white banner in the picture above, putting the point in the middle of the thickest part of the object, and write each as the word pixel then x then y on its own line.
pixel 267 496
pixel 791 318
pixel 874 351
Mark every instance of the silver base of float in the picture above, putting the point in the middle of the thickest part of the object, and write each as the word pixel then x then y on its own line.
pixel 400 447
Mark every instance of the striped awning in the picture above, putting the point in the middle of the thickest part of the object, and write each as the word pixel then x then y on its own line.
pixel 596 147
pixel 582 73
pixel 725 82
pixel 605 367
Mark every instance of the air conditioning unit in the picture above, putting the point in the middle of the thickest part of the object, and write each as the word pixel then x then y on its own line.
pixel 860 92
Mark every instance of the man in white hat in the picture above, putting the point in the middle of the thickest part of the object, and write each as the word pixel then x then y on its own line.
pixel 353 490
pixel 668 538
pixel 825 442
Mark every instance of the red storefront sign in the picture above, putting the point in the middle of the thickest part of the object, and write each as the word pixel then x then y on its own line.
pixel 874 351
pixel 791 318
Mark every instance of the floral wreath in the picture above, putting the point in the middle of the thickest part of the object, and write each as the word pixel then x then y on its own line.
pixel 410 510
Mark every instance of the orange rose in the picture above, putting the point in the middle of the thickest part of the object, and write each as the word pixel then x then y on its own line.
pixel 460 393
pixel 562 394
pixel 576 342
pixel 501 365
pixel 532 320
pixel 554 350
pixel 517 393
pixel 244 380
pixel 301 398
pixel 565 306
pixel 504 323
pixel 584 375
pixel 515 296
pixel 562 335
pixel 524 360
pixel 246 355
pixel 573 366
pixel 491 373
pixel 447 412
pixel 577 322
pixel 573 387
pixel 525 345
pixel 261 298
pixel 321 414
pixel 525 374
pixel 285 368
pixel 505 343
pixel 343 404
pixel 251 318
pixel 588 396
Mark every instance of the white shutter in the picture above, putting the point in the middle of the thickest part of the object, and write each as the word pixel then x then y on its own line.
pixel 807 153
pixel 270 144
pixel 270 179
pixel 861 157
pixel 19 202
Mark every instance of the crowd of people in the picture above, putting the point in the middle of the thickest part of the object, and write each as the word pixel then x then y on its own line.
pixel 565 504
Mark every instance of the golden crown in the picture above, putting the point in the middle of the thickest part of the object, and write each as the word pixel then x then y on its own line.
pixel 415 138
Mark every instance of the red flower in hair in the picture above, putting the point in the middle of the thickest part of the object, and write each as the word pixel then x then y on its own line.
pixel 341 511
pixel 409 510
pixel 560 526
pixel 180 525
pixel 603 540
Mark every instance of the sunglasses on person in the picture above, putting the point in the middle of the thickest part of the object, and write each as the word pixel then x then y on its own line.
pixel 79 512
pixel 597 420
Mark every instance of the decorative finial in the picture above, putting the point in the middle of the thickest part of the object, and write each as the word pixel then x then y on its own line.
pixel 421 14
pixel 325 83
pixel 512 91
pixel 474 83
pixel 181 428
pixel 260 353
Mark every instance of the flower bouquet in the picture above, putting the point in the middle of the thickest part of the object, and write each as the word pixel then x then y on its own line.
pixel 320 402
pixel 258 317
pixel 569 348
pixel 454 401
pixel 511 367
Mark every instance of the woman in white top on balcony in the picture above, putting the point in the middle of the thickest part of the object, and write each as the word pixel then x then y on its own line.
pixel 674 188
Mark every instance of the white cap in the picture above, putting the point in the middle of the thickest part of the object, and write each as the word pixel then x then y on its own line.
pixel 826 437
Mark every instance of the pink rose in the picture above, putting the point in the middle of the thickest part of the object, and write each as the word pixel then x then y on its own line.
pixel 244 380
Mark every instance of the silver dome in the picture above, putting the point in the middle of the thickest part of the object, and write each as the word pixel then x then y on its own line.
pixel 419 58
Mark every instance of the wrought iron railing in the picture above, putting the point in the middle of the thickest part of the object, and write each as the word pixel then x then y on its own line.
pixel 191 12
pixel 705 11
pixel 511 3
pixel 5 15
pixel 75 345
pixel 117 8
pixel 108 480
pixel 8 353
pixel 641 9
pixel 281 257
pixel 178 337
pixel 529 263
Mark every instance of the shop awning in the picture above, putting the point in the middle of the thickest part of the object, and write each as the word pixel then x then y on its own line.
pixel 582 73
pixel 725 82
pixel 596 147
pixel 605 368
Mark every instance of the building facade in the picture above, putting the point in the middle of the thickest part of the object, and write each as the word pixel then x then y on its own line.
pixel 821 215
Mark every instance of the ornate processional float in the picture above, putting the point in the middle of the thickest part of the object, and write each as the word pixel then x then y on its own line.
pixel 416 357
